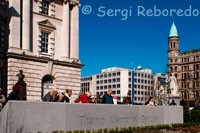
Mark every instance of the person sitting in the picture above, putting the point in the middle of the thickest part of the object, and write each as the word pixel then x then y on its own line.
pixel 107 98
pixel 2 99
pixel 84 98
pixel 127 99
pixel 14 95
pixel 67 96
pixel 150 101
pixel 51 96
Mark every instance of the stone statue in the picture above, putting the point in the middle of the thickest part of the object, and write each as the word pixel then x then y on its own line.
pixel 21 77
pixel 173 85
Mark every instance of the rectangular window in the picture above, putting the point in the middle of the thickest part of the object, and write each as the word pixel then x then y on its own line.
pixel 114 80
pixel 118 73
pixel 101 76
pixel 129 86
pixel 44 42
pixel 135 92
pixel 109 87
pixel 45 7
pixel 105 81
pixel 129 73
pixel 114 74
pixel 118 85
pixel 118 92
pixel 105 75
pixel 118 79
pixel 97 76
pixel 114 86
pixel 135 86
pixel 109 75
pixel 129 79
pixel 109 81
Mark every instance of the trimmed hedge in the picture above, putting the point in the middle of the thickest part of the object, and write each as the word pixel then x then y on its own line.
pixel 192 116
pixel 130 129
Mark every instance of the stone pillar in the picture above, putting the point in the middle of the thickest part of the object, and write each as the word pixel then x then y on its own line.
pixel 14 26
pixel 64 48
pixel 74 32
pixel 26 25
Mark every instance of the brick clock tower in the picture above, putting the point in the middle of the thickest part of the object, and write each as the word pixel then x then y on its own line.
pixel 173 50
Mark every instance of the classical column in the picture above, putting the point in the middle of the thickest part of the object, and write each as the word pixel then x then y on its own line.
pixel 26 25
pixel 74 32
pixel 14 25
pixel 64 49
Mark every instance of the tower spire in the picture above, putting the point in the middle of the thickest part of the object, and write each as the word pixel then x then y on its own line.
pixel 173 31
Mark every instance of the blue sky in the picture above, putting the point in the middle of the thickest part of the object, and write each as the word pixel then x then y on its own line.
pixel 109 41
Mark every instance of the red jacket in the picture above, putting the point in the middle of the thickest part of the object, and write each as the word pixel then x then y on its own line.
pixel 83 99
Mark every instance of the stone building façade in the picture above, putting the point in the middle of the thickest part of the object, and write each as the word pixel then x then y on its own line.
pixel 42 39
pixel 185 66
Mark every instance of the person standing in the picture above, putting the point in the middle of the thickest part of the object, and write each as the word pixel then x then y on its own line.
pixel 67 96
pixel 2 99
pixel 172 103
pixel 107 98
pixel 84 98
pixel 51 96
pixel 127 99
pixel 14 95
pixel 150 101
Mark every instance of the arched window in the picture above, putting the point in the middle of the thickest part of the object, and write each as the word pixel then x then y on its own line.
pixel 47 84
pixel 174 44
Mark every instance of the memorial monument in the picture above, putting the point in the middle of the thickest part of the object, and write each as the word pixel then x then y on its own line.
pixel 173 87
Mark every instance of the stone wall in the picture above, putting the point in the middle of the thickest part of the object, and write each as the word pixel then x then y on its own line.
pixel 47 117
pixel 65 77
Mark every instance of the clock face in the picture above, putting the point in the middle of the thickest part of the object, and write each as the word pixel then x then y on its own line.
pixel 176 54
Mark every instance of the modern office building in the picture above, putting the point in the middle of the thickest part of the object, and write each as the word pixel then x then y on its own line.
pixel 40 37
pixel 185 66
pixel 143 85
pixel 121 81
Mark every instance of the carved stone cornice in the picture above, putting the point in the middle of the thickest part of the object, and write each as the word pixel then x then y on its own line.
pixel 75 3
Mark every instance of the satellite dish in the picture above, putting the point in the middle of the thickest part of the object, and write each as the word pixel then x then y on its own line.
pixel 139 67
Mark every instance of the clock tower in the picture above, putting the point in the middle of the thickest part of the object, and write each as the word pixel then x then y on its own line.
pixel 173 50
pixel 173 42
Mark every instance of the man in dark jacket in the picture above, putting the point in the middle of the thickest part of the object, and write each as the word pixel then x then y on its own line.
pixel 107 98
pixel 14 95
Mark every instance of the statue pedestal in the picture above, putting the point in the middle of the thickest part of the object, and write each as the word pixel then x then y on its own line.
pixel 176 99
pixel 22 91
